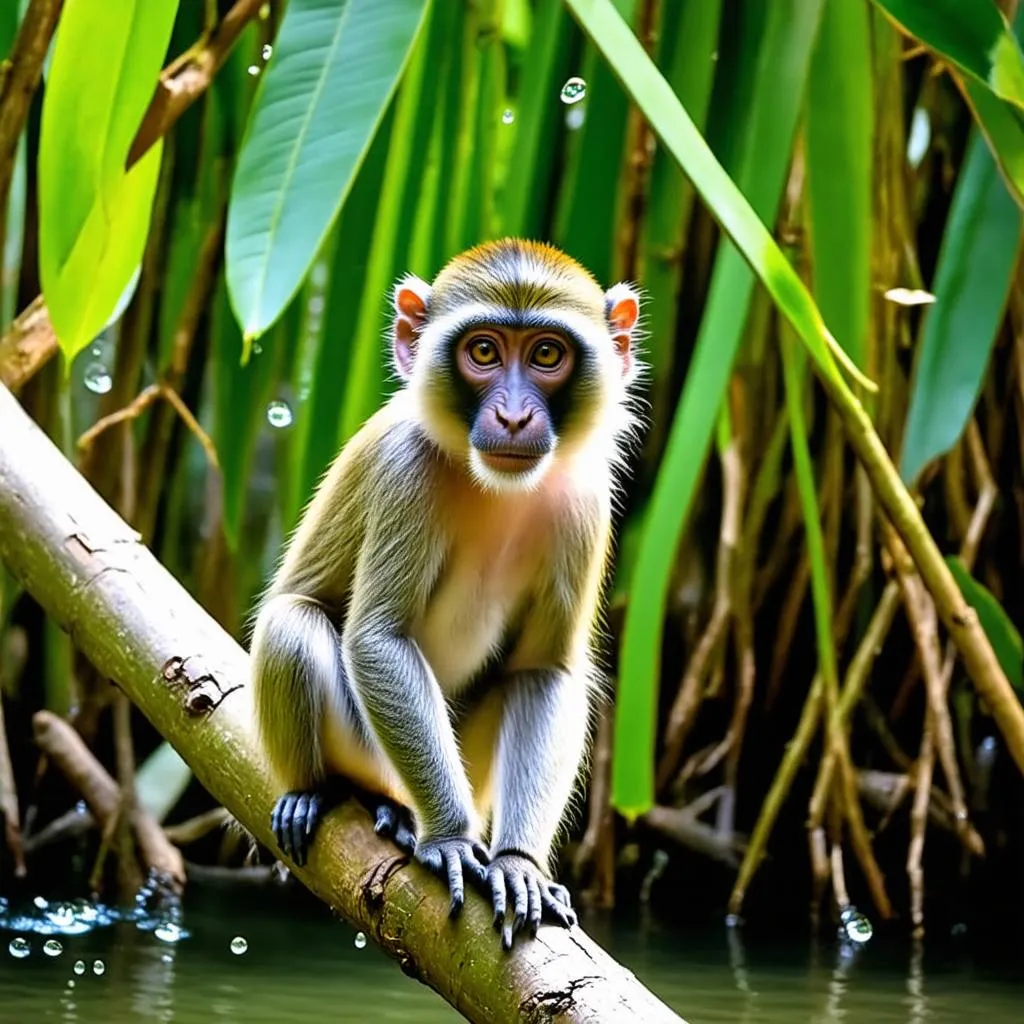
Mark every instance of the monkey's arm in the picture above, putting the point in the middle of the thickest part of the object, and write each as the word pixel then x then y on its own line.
pixel 401 556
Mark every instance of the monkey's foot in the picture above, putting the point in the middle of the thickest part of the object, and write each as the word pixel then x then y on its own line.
pixel 394 821
pixel 297 814
pixel 453 860
pixel 514 878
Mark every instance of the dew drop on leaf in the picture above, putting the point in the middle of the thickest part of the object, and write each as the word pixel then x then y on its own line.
pixel 279 415
pixel 574 90
pixel 360 940
pixel 99 382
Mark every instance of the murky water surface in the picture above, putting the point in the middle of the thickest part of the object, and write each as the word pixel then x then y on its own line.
pixel 248 957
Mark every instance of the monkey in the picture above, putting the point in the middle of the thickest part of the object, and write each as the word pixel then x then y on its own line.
pixel 429 639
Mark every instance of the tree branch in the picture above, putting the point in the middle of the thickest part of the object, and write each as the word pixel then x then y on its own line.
pixel 141 629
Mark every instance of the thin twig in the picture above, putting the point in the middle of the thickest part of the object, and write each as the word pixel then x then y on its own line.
pixel 18 85
pixel 142 401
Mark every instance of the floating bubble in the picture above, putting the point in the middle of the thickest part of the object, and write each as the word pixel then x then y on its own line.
pixel 99 382
pixel 51 947
pixel 279 415
pixel 508 117
pixel 574 90
pixel 267 51
pixel 239 945
pixel 855 925
pixel 360 940
pixel 168 931
pixel 79 967
pixel 19 948
pixel 98 967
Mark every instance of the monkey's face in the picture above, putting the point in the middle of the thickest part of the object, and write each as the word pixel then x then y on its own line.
pixel 515 357
pixel 509 386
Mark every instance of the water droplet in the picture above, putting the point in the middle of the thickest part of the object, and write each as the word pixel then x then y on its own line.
pixel 62 915
pixel 98 380
pixel 51 947
pixel 39 903
pixel 79 967
pixel 575 116
pixel 167 959
pixel 360 940
pixel 508 117
pixel 257 348
pixel 909 296
pixel 279 415
pixel 574 90
pixel 733 920
pixel 71 982
pixel 98 967
pixel 920 137
pixel 239 945
pixel 316 305
pixel 267 51
pixel 19 948
pixel 856 926
pixel 254 70
pixel 167 932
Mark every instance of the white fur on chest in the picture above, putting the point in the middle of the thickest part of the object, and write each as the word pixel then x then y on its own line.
pixel 492 570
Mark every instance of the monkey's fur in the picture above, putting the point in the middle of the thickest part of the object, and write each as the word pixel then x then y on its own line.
pixel 430 632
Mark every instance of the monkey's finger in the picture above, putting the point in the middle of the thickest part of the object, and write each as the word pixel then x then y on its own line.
pixel 481 854
pixel 405 838
pixel 520 898
pixel 473 867
pixel 312 814
pixel 556 910
pixel 560 893
pixel 283 831
pixel 384 825
pixel 299 828
pixel 536 907
pixel 453 863
pixel 507 937
pixel 497 877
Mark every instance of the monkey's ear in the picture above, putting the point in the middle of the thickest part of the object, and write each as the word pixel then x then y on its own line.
pixel 622 309
pixel 412 303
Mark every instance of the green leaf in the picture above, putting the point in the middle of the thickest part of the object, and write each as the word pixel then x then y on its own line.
pixel 1002 124
pixel 972 283
pixel 1001 632
pixel 839 180
pixel 972 34
pixel 335 67
pixel 94 218
pixel 784 56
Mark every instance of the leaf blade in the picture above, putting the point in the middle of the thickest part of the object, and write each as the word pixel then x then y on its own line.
pixel 303 148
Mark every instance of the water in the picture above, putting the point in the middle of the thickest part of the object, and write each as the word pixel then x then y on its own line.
pixel 303 967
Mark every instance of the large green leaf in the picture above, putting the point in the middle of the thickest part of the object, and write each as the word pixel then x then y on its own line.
pixel 972 282
pixel 999 629
pixel 335 66
pixel 972 34
pixel 783 56
pixel 93 218
pixel 839 161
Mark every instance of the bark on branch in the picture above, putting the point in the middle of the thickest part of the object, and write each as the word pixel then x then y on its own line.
pixel 142 630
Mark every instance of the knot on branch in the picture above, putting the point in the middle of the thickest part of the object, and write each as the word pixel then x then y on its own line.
pixel 203 691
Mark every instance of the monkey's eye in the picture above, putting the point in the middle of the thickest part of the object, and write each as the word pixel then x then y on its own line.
pixel 483 352
pixel 547 355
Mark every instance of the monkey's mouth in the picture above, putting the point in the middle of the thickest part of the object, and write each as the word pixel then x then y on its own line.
pixel 511 461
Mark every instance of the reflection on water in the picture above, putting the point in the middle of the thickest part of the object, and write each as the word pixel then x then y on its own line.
pixel 295 968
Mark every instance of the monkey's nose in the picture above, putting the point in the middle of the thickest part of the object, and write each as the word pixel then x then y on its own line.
pixel 513 422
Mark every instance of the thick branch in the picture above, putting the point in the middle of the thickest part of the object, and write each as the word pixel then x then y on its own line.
pixel 141 629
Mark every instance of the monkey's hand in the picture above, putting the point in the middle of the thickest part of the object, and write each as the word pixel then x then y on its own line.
pixel 452 859
pixel 515 878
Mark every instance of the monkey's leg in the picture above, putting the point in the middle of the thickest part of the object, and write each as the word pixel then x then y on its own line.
pixel 540 748
pixel 313 728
